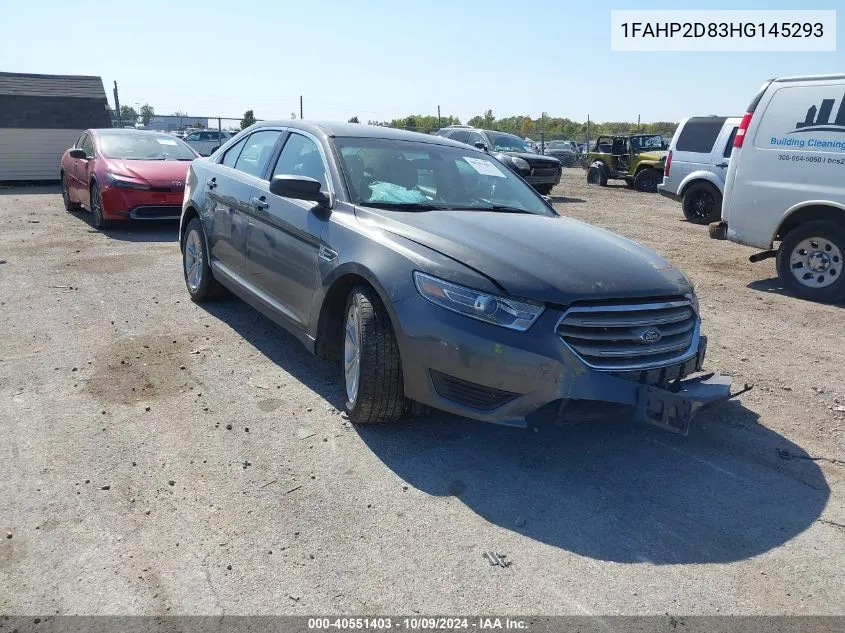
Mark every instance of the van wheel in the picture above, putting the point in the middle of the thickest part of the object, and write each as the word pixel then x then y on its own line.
pixel 647 180
pixel 810 261
pixel 702 203
pixel 597 175
pixel 372 369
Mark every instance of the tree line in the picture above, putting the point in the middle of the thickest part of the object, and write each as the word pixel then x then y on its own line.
pixel 560 127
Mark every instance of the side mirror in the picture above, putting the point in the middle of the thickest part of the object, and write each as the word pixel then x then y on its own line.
pixel 481 146
pixel 298 188
pixel 78 153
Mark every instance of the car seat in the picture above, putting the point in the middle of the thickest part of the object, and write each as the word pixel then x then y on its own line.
pixel 403 173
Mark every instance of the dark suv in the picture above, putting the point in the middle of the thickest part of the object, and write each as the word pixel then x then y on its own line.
pixel 541 172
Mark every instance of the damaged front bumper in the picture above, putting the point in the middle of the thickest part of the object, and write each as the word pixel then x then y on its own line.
pixel 673 409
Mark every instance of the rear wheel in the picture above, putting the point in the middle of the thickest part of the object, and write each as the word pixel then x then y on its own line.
pixel 597 175
pixel 702 203
pixel 69 206
pixel 97 219
pixel 810 261
pixel 372 369
pixel 647 180
pixel 201 284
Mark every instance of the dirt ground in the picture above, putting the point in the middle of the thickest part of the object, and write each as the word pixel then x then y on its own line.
pixel 162 457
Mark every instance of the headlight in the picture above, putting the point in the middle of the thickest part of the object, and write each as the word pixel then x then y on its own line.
pixel 116 180
pixel 521 164
pixel 515 315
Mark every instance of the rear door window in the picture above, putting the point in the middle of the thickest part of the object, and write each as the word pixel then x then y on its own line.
pixel 700 134
pixel 461 136
pixel 730 146
pixel 256 153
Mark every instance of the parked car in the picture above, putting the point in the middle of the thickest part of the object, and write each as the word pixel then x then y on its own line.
pixel 120 174
pixel 206 142
pixel 697 165
pixel 785 184
pixel 637 159
pixel 564 151
pixel 431 273
pixel 541 172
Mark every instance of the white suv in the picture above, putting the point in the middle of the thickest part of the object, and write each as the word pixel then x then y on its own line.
pixel 697 165
pixel 786 183
pixel 206 142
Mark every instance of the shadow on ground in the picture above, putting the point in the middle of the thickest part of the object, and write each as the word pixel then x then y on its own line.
pixel 775 286
pixel 139 231
pixel 610 491
pixel 564 199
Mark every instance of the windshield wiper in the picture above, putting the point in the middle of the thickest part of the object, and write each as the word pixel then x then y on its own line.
pixel 492 207
pixel 404 206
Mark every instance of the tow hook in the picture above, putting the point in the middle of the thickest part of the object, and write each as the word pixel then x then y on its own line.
pixel 759 257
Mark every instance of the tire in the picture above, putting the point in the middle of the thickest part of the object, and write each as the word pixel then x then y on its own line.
pixel 818 244
pixel 597 175
pixel 97 219
pixel 199 280
pixel 371 369
pixel 647 180
pixel 702 203
pixel 69 206
pixel 544 190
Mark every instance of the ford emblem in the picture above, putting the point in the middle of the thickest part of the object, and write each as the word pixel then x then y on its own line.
pixel 650 335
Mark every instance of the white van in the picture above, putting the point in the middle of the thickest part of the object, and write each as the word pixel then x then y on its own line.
pixel 697 165
pixel 786 183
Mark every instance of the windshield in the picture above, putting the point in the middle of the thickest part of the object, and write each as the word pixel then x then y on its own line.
pixel 424 176
pixel 509 143
pixel 144 146
pixel 646 143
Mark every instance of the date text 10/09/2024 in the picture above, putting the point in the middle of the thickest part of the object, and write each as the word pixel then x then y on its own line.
pixel 417 624
pixel 721 29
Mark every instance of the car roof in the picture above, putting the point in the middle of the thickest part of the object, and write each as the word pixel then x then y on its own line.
pixel 124 131
pixel 358 130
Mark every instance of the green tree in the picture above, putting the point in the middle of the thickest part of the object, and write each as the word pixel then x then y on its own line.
pixel 249 119
pixel 147 113
pixel 354 120
pixel 128 113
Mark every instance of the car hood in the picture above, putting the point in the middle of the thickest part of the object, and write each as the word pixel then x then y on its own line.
pixel 532 158
pixel 655 156
pixel 158 173
pixel 550 259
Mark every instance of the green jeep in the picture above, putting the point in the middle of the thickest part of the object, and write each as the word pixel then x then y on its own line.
pixel 637 159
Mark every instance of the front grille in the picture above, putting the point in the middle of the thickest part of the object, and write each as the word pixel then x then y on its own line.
pixel 156 212
pixel 631 336
pixel 468 393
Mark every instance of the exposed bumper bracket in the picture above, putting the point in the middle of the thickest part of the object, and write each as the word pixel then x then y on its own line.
pixel 674 410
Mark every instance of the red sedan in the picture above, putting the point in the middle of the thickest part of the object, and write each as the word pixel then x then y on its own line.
pixel 126 175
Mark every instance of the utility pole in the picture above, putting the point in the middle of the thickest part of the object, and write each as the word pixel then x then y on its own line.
pixel 638 124
pixel 438 117
pixel 588 133
pixel 300 107
pixel 117 106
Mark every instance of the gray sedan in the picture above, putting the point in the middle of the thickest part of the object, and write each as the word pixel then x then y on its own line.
pixel 431 273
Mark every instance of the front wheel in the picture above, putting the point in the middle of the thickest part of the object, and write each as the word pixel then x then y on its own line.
pixel 647 180
pixel 810 261
pixel 702 203
pixel 544 190
pixel 98 221
pixel 372 369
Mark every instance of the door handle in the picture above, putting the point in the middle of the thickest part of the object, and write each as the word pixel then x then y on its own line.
pixel 259 203
pixel 211 184
pixel 723 165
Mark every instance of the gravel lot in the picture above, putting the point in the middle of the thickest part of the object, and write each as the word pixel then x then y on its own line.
pixel 162 457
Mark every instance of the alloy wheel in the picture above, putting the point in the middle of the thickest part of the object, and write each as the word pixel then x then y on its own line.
pixel 352 353
pixel 702 204
pixel 193 261
pixel 816 262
